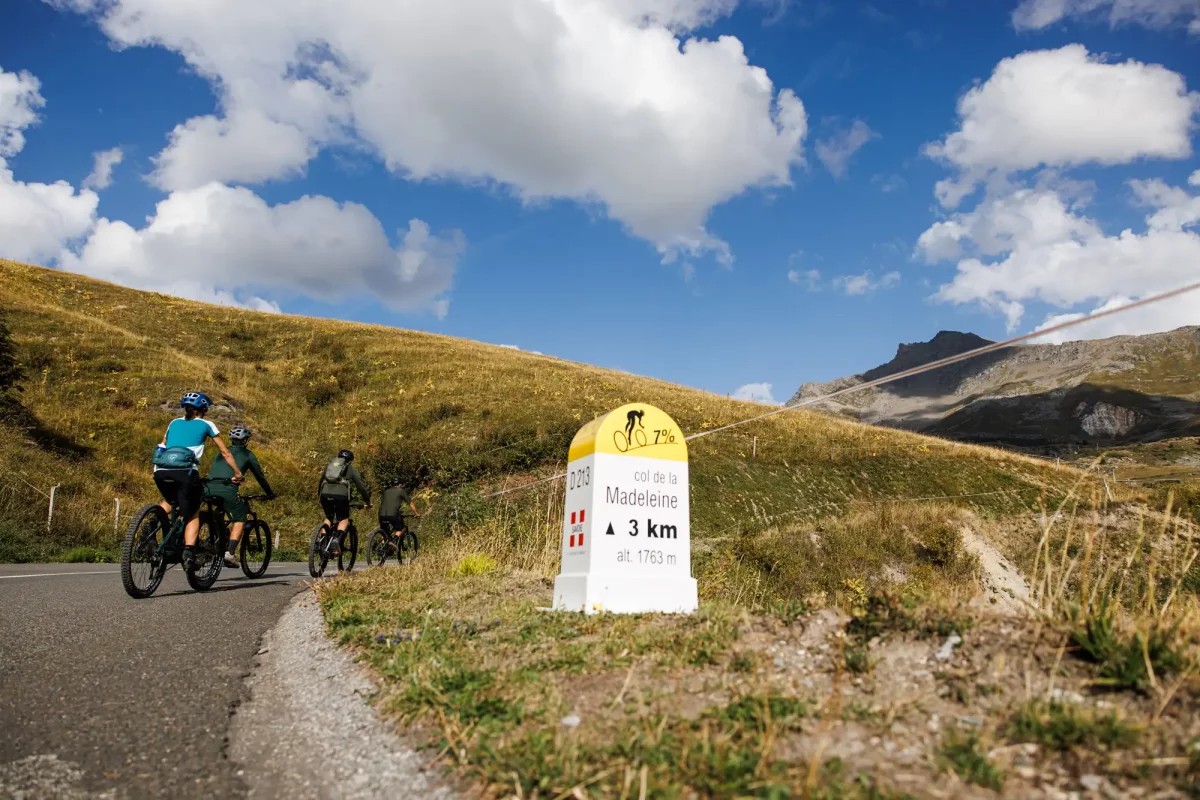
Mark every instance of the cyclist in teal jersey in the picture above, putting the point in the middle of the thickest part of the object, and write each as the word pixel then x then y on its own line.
pixel 182 485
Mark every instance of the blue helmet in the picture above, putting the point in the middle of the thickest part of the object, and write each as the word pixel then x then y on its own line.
pixel 197 400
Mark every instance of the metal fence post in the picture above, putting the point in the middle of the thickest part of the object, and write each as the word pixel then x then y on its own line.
pixel 50 514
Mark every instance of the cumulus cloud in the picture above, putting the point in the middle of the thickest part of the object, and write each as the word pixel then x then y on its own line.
pixel 608 103
pixel 19 102
pixel 36 219
pixel 1036 244
pixel 835 151
pixel 755 393
pixel 865 283
pixel 810 278
pixel 103 163
pixel 245 147
pixel 1064 107
pixel 1038 14
pixel 225 244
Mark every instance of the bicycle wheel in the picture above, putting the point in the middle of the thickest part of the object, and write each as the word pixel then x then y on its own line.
pixel 408 548
pixel 349 550
pixel 142 565
pixel 256 548
pixel 317 557
pixel 377 548
pixel 209 558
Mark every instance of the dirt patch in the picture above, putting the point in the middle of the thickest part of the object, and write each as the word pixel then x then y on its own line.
pixel 1004 586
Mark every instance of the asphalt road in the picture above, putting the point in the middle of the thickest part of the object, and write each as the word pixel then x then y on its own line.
pixel 104 695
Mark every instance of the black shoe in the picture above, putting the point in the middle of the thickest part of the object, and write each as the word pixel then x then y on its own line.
pixel 189 559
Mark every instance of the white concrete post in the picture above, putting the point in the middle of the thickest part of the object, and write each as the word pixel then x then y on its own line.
pixel 50 514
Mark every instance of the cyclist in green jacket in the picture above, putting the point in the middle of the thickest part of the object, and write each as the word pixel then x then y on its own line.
pixel 334 491
pixel 220 485
pixel 391 508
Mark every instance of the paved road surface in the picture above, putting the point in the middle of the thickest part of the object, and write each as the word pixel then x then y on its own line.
pixel 104 695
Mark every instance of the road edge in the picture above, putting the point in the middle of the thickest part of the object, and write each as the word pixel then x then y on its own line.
pixel 305 730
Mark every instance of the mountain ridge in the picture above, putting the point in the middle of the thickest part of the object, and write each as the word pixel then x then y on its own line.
pixel 1121 389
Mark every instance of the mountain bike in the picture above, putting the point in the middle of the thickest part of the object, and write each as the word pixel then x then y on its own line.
pixel 256 545
pixel 384 544
pixel 154 543
pixel 325 541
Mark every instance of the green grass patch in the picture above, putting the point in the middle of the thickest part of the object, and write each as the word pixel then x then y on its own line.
pixel 1059 726
pixel 88 555
pixel 964 754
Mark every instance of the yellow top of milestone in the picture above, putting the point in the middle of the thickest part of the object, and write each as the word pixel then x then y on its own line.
pixel 635 429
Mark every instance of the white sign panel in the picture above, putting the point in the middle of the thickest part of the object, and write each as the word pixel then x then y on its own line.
pixel 626 523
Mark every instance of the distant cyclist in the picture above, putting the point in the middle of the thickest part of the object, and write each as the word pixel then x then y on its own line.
pixel 220 485
pixel 177 466
pixel 338 480
pixel 391 502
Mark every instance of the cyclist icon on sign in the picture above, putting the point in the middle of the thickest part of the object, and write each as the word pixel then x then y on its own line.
pixel 635 435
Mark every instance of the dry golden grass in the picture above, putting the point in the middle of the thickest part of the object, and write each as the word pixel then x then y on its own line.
pixel 106 364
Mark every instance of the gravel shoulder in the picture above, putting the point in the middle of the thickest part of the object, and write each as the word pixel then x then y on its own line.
pixel 307 731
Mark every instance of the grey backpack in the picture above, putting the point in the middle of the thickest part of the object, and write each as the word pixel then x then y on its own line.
pixel 335 470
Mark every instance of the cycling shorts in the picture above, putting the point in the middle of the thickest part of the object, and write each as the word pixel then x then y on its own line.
pixel 181 488
pixel 227 493
pixel 393 524
pixel 335 508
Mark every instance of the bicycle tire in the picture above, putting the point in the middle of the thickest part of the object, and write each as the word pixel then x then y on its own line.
pixel 348 552
pixel 134 535
pixel 406 552
pixel 317 559
pixel 377 549
pixel 256 548
pixel 209 558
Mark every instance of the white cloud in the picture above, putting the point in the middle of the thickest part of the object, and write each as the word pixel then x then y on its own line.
pixel 1164 316
pixel 223 244
pixel 1061 108
pixel 755 393
pixel 36 219
pixel 1038 14
pixel 19 102
pixel 102 169
pixel 865 283
pixel 1033 244
pixel 835 151
pixel 246 147
pixel 810 278
pixel 606 103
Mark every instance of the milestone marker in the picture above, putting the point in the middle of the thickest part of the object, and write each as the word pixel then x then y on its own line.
pixel 627 475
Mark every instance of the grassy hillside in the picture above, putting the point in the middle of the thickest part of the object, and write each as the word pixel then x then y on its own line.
pixel 105 367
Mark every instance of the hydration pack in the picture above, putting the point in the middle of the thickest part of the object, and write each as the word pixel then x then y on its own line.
pixel 335 470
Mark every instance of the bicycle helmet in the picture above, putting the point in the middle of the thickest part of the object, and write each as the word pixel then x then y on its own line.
pixel 197 400
pixel 239 433
pixel 396 481
pixel 346 454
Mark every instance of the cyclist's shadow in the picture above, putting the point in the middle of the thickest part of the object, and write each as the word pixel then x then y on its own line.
pixel 226 586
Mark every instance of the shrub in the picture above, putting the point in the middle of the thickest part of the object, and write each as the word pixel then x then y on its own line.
pixel 474 564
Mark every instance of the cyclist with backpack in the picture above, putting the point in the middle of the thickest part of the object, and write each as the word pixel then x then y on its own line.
pixel 391 502
pixel 220 485
pixel 338 479
pixel 177 466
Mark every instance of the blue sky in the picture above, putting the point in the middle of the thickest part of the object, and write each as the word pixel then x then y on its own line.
pixel 833 256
